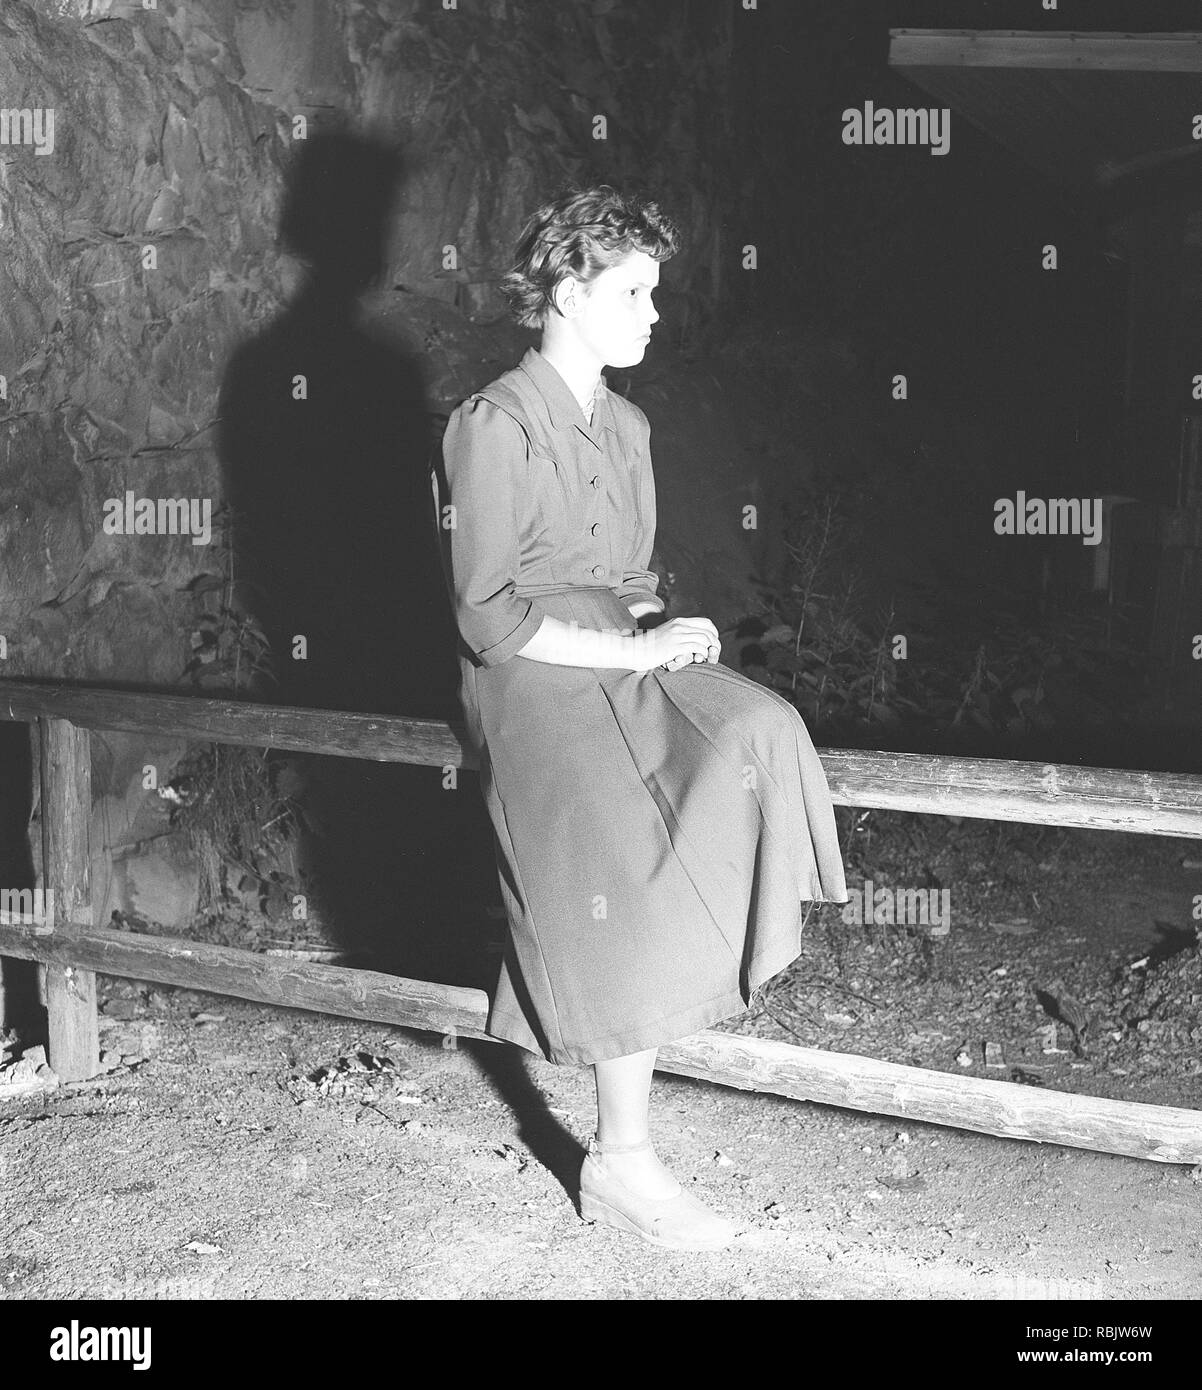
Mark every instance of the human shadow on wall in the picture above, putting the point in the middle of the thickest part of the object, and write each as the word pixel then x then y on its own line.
pixel 325 447
pixel 326 453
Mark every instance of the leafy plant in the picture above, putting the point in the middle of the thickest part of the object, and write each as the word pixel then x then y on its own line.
pixel 987 670
pixel 230 652
pixel 228 802
pixel 236 818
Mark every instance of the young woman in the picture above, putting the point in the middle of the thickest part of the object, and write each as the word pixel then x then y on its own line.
pixel 660 819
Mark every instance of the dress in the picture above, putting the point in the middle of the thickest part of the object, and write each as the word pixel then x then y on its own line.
pixel 657 832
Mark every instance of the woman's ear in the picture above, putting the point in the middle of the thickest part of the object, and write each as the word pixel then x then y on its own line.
pixel 567 296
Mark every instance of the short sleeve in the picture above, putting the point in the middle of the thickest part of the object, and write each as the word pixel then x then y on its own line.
pixel 483 451
pixel 638 581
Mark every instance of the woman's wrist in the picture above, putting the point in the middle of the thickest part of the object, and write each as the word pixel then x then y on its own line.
pixel 614 648
pixel 640 607
pixel 568 644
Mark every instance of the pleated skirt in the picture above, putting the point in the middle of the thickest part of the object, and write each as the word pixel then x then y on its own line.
pixel 658 835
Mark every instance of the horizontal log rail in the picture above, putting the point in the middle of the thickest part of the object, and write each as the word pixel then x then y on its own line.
pixel 369 995
pixel 1167 1134
pixel 71 949
pixel 1147 803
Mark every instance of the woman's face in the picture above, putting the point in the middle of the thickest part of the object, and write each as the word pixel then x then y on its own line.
pixel 612 319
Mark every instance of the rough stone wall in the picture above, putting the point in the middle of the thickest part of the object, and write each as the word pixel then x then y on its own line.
pixel 173 133
pixel 139 254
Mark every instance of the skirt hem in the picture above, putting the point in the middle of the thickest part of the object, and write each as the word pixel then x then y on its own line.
pixel 517 1031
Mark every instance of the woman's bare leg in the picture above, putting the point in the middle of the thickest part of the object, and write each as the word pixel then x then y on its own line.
pixel 623 1100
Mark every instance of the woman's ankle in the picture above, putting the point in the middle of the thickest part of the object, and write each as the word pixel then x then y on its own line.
pixel 620 1141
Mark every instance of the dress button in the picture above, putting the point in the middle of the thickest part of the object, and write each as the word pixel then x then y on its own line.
pixel 594 528
pixel 598 571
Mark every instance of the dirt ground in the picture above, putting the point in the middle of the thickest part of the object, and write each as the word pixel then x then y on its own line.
pixel 241 1158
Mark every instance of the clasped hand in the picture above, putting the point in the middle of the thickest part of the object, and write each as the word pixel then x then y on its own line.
pixel 676 643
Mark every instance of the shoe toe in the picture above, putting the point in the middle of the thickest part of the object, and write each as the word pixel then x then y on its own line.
pixel 693 1224
pixel 679 1223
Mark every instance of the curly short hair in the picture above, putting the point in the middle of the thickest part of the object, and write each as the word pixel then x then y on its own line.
pixel 581 233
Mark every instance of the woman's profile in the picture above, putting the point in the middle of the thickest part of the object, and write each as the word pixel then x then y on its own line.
pixel 660 820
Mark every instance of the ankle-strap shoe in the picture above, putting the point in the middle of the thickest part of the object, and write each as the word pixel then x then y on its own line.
pixel 673 1223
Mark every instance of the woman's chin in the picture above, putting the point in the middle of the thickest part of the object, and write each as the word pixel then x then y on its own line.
pixel 634 355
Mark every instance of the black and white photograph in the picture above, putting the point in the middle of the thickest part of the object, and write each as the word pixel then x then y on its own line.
pixel 600 668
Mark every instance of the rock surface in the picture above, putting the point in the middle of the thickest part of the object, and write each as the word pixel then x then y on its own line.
pixel 148 254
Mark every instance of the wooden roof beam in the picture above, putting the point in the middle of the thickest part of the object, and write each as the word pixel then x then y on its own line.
pixel 1018 48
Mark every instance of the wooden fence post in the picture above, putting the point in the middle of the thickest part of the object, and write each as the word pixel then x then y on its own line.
pixel 20 981
pixel 66 770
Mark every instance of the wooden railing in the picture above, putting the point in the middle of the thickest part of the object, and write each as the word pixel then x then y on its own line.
pixel 72 948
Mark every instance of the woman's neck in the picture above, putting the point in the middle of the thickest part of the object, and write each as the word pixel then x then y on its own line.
pixel 581 375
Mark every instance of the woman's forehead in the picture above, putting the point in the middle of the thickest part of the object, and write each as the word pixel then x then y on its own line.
pixel 636 269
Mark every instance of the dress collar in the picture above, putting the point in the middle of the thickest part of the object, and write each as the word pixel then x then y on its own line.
pixel 563 408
